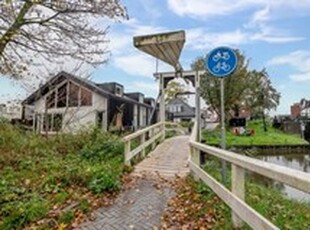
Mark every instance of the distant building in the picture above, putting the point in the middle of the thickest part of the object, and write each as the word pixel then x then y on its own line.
pixel 67 103
pixel 305 108
pixel 179 110
pixel 295 110
pixel 11 110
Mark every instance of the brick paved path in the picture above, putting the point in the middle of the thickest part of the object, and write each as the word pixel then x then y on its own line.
pixel 142 206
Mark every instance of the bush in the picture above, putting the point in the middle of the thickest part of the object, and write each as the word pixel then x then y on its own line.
pixel 104 181
pixel 37 173
pixel 102 146
pixel 187 124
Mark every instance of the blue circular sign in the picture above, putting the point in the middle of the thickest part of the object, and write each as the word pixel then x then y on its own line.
pixel 221 61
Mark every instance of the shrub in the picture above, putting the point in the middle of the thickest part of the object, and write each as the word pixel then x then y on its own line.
pixel 104 181
pixel 37 173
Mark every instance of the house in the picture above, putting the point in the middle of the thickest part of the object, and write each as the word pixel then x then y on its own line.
pixel 67 103
pixel 11 110
pixel 305 108
pixel 295 110
pixel 179 110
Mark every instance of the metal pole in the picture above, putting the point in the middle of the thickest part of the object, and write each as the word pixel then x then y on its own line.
pixel 198 120
pixel 223 132
pixel 162 105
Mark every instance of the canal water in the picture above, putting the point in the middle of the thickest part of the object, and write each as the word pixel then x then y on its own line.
pixel 294 161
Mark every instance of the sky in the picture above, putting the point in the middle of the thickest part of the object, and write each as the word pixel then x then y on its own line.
pixel 272 34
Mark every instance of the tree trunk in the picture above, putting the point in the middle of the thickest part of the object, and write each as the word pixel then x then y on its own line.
pixel 264 122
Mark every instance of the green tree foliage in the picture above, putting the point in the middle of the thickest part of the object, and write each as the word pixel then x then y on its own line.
pixel 174 89
pixel 244 89
pixel 263 95
pixel 235 86
pixel 50 31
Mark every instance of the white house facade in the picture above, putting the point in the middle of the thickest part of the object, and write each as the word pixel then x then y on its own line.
pixel 67 103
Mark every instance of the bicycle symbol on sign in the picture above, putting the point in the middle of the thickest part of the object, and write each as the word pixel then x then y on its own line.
pixel 218 56
pixel 221 61
pixel 221 66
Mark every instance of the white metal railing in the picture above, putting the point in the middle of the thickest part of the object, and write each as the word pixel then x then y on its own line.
pixel 235 198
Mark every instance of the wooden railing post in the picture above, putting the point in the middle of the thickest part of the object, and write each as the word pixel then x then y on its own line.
pixel 127 151
pixel 142 141
pixel 152 134
pixel 163 130
pixel 237 188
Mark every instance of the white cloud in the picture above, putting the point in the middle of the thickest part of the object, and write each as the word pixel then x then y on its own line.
pixel 298 60
pixel 261 15
pixel 199 38
pixel 301 77
pixel 139 65
pixel 206 9
pixel 262 30
pixel 148 88
pixel 197 8
pixel 271 38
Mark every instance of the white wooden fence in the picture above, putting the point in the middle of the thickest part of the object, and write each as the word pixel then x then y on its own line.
pixel 154 133
pixel 136 143
pixel 235 198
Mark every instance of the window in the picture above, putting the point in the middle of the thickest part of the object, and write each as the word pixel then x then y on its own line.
pixel 179 108
pixel 86 97
pixel 52 122
pixel 99 119
pixel 118 90
pixel 73 95
pixel 62 96
pixel 50 100
pixel 77 96
pixel 57 125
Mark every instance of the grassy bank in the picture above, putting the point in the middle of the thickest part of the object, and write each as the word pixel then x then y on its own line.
pixel 196 206
pixel 52 182
pixel 272 137
pixel 284 212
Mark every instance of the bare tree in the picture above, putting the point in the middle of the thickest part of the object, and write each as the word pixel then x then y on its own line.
pixel 36 31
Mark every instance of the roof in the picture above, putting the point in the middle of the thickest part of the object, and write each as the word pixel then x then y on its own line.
pixel 187 110
pixel 81 81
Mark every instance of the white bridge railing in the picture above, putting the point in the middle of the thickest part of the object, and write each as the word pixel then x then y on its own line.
pixel 235 198
pixel 136 143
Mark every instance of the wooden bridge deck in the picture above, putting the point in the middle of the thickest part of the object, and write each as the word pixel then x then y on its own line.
pixel 169 159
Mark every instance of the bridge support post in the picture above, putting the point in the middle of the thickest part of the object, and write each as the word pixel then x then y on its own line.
pixel 237 187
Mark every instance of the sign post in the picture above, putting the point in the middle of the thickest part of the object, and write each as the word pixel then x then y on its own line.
pixel 221 62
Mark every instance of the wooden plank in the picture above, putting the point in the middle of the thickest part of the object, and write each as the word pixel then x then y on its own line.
pixel 292 177
pixel 245 212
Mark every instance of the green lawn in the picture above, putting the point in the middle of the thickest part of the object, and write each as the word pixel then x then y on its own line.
pixel 272 137
pixel 284 212
pixel 40 178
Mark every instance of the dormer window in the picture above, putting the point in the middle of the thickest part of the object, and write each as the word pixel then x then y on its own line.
pixel 141 98
pixel 118 91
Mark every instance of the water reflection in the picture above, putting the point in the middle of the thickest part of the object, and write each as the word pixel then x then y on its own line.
pixel 294 161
